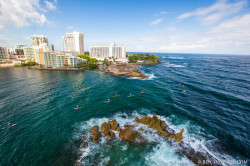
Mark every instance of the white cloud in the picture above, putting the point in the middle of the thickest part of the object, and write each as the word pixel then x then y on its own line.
pixel 216 12
pixel 70 27
pixel 229 37
pixel 50 5
pixel 172 29
pixel 163 12
pixel 19 13
pixel 157 21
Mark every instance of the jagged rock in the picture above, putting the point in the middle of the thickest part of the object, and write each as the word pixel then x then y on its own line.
pixel 128 134
pixel 84 138
pixel 123 116
pixel 145 120
pixel 105 126
pixel 178 136
pixel 137 120
pixel 130 126
pixel 118 129
pixel 94 129
pixel 141 129
pixel 109 134
pixel 163 125
pixel 114 124
pixel 96 136
pixel 125 70
pixel 84 145
pixel 130 115
pixel 155 123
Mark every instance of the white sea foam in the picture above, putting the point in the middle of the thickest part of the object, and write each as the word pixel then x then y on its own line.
pixel 172 65
pixel 149 77
pixel 162 153
pixel 175 57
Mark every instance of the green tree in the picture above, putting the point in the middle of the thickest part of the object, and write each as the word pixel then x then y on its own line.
pixel 85 57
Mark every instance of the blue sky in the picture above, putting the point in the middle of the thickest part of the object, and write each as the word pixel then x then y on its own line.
pixel 180 26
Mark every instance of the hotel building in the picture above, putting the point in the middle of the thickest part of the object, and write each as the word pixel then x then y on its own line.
pixel 37 40
pixel 107 51
pixel 74 42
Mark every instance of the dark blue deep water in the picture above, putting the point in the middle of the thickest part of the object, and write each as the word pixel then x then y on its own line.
pixel 207 95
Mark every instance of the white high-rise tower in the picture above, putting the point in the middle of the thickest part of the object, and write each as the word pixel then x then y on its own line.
pixel 74 42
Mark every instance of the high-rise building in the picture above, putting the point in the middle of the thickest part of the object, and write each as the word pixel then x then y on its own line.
pixel 108 51
pixel 74 42
pixel 4 55
pixel 37 40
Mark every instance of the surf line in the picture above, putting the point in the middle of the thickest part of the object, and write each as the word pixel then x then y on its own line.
pixel 209 152
pixel 97 72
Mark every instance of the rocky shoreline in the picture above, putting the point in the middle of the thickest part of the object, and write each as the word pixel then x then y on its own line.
pixel 128 133
pixel 123 69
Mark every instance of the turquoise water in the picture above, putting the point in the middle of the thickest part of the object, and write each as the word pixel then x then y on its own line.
pixel 206 95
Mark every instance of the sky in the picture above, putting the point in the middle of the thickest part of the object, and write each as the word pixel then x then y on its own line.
pixel 179 26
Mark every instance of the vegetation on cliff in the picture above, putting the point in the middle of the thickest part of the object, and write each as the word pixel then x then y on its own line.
pixel 143 58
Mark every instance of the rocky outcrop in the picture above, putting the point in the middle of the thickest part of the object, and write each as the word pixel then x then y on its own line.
pixel 109 134
pixel 130 126
pixel 128 134
pixel 118 129
pixel 137 120
pixel 178 136
pixel 105 126
pixel 96 136
pixel 94 129
pixel 123 69
pixel 160 126
pixel 114 124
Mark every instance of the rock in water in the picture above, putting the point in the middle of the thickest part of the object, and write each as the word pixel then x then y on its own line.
pixel 105 126
pixel 84 145
pixel 145 120
pixel 137 120
pixel 94 129
pixel 109 134
pixel 130 126
pixel 118 129
pixel 128 134
pixel 96 136
pixel 114 124
pixel 163 125
pixel 178 136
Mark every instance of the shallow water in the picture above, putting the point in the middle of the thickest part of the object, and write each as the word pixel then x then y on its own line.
pixel 206 95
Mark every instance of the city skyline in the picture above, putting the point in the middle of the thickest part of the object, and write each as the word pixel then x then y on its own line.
pixel 218 27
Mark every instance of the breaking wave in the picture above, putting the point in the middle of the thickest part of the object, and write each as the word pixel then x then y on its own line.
pixel 173 57
pixel 157 151
pixel 172 65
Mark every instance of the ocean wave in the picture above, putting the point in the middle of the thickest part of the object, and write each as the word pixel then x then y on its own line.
pixel 149 77
pixel 172 65
pixel 175 57
pixel 158 150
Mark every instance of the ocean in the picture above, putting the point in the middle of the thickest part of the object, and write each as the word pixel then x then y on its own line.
pixel 207 95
